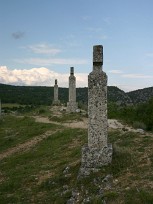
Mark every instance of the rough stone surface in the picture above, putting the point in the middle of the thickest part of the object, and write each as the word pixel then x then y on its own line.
pixel 93 159
pixel 56 101
pixel 97 152
pixel 72 105
pixel 97 109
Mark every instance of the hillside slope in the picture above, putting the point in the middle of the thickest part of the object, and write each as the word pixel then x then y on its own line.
pixel 140 95
pixel 41 95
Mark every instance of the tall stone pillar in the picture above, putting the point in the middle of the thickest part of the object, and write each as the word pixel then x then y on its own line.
pixel 56 101
pixel 72 104
pixel 97 152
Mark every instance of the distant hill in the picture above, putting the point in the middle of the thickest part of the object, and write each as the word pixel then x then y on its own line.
pixel 140 95
pixel 118 96
pixel 41 95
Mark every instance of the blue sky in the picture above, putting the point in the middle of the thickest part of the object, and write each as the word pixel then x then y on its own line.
pixel 41 39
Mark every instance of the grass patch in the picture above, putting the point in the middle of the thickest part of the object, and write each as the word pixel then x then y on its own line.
pixel 17 130
pixel 47 173
pixel 110 196
pixel 122 159
pixel 40 170
pixel 151 159
pixel 11 105
pixel 128 139
pixel 27 110
pixel 142 196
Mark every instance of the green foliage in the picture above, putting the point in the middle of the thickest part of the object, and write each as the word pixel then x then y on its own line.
pixel 21 109
pixel 40 95
pixel 137 125
pixel 141 196
pixel 140 116
pixel 141 95
pixel 145 114
pixel 111 196
pixel 27 95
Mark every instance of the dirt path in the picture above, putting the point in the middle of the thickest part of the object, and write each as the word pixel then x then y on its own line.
pixel 112 124
pixel 26 145
pixel 73 124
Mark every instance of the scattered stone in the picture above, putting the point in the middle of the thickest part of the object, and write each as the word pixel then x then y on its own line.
pixel 78 110
pixel 63 109
pixel 101 191
pixel 124 129
pixel 66 170
pixel 107 182
pixel 65 189
pixel 115 181
pixel 141 131
pixel 74 198
pixel 86 200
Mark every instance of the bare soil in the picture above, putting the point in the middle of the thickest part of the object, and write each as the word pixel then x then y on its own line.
pixel 26 145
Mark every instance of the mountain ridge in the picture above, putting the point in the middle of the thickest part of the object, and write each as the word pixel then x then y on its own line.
pixel 43 95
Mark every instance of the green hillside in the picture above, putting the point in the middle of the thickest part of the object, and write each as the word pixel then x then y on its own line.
pixel 40 161
pixel 41 95
pixel 141 95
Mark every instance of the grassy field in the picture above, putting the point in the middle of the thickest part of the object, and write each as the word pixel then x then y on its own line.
pixel 46 171
pixel 11 105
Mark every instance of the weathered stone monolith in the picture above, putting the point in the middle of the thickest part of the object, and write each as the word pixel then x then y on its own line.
pixel 97 152
pixel 72 104
pixel 56 101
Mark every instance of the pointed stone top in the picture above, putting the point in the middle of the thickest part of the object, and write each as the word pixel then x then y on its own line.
pixel 97 57
pixel 71 70
pixel 55 81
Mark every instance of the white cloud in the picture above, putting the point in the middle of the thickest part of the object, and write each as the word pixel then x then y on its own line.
pixel 137 76
pixel 43 48
pixel 38 77
pixel 50 61
pixel 46 77
pixel 115 71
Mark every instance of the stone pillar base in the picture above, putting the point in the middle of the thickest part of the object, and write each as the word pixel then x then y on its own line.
pixel 93 159
pixel 56 103
pixel 72 107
